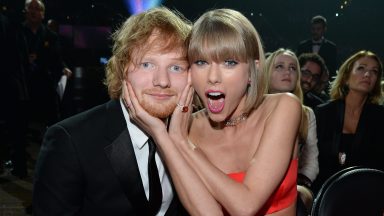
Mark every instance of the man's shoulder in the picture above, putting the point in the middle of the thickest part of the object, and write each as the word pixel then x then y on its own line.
pixel 305 42
pixel 329 106
pixel 89 118
pixel 329 42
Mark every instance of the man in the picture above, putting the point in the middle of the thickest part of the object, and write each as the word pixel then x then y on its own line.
pixel 45 65
pixel 320 45
pixel 312 68
pixel 96 163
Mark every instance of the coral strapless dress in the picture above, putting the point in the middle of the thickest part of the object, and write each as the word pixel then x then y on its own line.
pixel 284 196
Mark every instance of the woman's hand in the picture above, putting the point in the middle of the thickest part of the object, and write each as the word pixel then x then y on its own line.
pixel 178 127
pixel 141 117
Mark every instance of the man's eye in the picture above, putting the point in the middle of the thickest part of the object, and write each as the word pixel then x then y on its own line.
pixel 177 68
pixel 146 65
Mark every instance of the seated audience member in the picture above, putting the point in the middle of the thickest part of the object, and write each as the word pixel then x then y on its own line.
pixel 282 68
pixel 312 67
pixel 321 89
pixel 228 159
pixel 99 162
pixel 349 127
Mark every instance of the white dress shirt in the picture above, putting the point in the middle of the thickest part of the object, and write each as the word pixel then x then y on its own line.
pixel 139 142
pixel 316 45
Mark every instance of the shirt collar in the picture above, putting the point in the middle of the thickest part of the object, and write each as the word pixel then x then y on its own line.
pixel 318 41
pixel 138 137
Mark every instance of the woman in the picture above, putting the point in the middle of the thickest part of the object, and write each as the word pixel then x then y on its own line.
pixel 233 157
pixel 349 127
pixel 284 76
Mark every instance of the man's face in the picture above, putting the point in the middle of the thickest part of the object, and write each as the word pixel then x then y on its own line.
pixel 34 13
pixel 310 75
pixel 317 31
pixel 158 80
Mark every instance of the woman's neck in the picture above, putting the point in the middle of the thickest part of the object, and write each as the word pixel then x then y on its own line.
pixel 33 26
pixel 355 101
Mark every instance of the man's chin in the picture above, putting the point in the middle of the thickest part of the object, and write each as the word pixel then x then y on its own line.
pixel 159 110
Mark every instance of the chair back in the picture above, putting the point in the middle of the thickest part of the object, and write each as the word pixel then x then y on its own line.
pixel 352 191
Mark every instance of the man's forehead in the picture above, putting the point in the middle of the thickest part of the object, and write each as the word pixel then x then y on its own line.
pixel 313 67
pixel 174 54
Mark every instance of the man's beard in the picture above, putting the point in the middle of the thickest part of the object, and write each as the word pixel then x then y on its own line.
pixel 305 86
pixel 159 110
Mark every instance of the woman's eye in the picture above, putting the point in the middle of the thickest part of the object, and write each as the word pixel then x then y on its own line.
pixel 200 62
pixel 230 62
pixel 279 66
pixel 293 69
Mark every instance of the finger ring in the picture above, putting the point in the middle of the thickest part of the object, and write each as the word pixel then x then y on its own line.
pixel 182 107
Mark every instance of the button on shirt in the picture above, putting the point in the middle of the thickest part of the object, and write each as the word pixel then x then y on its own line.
pixel 139 142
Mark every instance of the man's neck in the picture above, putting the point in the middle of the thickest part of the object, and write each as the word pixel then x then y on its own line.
pixel 319 40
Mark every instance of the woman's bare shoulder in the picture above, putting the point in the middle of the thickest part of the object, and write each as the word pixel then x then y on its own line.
pixel 285 100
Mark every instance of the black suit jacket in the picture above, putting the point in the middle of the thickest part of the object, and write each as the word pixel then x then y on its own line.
pixel 87 166
pixel 327 51
pixel 367 149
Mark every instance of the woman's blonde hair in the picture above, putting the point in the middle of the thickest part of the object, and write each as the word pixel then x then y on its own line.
pixel 131 42
pixel 225 33
pixel 340 89
pixel 269 67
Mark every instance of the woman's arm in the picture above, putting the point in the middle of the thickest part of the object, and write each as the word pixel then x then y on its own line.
pixel 268 166
pixel 309 164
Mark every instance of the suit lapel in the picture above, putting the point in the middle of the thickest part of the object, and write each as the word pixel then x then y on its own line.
pixel 123 160
pixel 361 130
pixel 340 109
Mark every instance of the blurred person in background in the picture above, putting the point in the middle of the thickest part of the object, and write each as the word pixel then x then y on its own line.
pixel 349 127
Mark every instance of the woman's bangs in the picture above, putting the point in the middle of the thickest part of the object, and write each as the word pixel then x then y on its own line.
pixel 217 45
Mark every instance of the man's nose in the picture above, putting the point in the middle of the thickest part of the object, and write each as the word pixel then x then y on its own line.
pixel 161 78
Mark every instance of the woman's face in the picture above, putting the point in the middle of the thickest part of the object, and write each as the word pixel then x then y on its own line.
pixel 284 74
pixel 363 75
pixel 222 86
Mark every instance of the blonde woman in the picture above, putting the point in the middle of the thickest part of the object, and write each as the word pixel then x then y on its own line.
pixel 350 126
pixel 228 159
pixel 283 70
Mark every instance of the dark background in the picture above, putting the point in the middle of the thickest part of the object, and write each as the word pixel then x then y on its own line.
pixel 281 23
